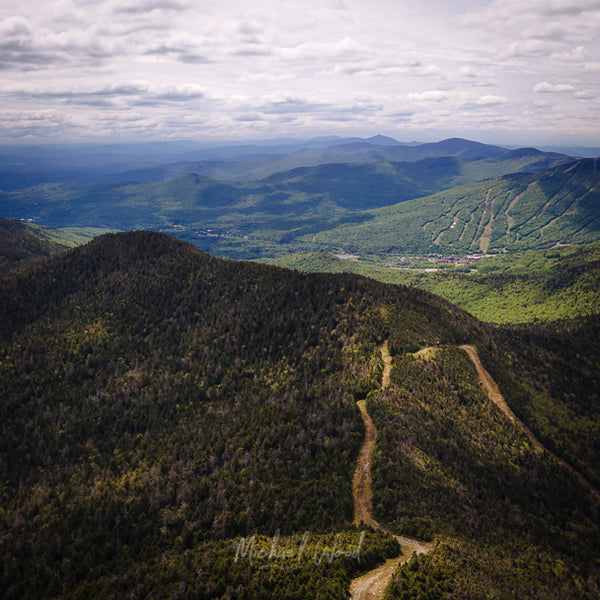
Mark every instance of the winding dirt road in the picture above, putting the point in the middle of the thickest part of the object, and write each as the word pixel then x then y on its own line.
pixel 387 365
pixel 497 398
pixel 371 585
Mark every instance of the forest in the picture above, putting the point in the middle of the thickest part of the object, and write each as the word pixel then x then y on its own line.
pixel 162 406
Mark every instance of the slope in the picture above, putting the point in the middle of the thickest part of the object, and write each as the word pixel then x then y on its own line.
pixel 159 400
pixel 450 464
pixel 518 287
pixel 173 424
pixel 21 242
pixel 477 160
pixel 26 166
pixel 373 583
pixel 523 287
pixel 258 218
pixel 514 212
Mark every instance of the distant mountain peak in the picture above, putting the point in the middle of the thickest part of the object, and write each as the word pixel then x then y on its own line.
pixel 457 141
pixel 382 140
pixel 520 152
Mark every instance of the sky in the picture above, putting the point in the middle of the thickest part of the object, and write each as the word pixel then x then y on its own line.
pixel 522 72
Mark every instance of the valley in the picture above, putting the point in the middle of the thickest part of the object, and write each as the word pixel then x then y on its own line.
pixel 432 204
pixel 519 287
pixel 175 423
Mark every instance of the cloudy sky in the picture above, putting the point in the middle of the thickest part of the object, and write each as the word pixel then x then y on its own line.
pixel 505 71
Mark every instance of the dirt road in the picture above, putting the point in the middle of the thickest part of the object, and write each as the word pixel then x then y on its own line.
pixel 361 485
pixel 498 399
pixel 371 585
pixel 387 366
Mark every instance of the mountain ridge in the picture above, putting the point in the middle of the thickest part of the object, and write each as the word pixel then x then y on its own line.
pixel 302 208
pixel 512 212
pixel 161 404
pixel 22 167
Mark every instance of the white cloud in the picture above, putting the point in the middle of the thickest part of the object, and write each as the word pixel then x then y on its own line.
pixel 533 47
pixel 490 100
pixel 429 96
pixel 16 27
pixel 176 67
pixel 148 6
pixel 545 87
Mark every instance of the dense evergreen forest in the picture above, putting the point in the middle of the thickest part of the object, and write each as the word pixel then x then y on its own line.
pixel 19 241
pixel 510 522
pixel 162 406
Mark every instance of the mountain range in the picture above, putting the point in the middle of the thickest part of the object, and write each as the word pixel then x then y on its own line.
pixel 440 203
pixel 29 165
pixel 176 424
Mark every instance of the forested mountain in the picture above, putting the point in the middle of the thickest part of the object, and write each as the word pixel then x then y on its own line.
pixel 160 405
pixel 472 160
pixel 22 242
pixel 514 212
pixel 19 241
pixel 157 399
pixel 26 166
pixel 359 208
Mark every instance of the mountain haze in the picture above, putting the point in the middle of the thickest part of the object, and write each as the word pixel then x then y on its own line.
pixel 22 167
pixel 334 206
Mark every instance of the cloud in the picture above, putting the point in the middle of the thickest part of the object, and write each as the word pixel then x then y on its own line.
pixel 110 95
pixel 35 124
pixel 265 77
pixel 429 96
pixel 544 87
pixel 306 52
pixel 179 67
pixel 490 100
pixel 24 47
pixel 468 71
pixel 562 8
pixel 249 118
pixel 517 11
pixel 15 28
pixel 533 47
pixel 148 6
pixel 293 105
pixel 17 47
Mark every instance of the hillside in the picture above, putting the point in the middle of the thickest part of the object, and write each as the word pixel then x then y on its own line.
pixel 27 166
pixel 474 160
pixel 161 405
pixel 518 287
pixel 21 242
pixel 317 207
pixel 514 212
pixel 524 286
pixel 171 401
